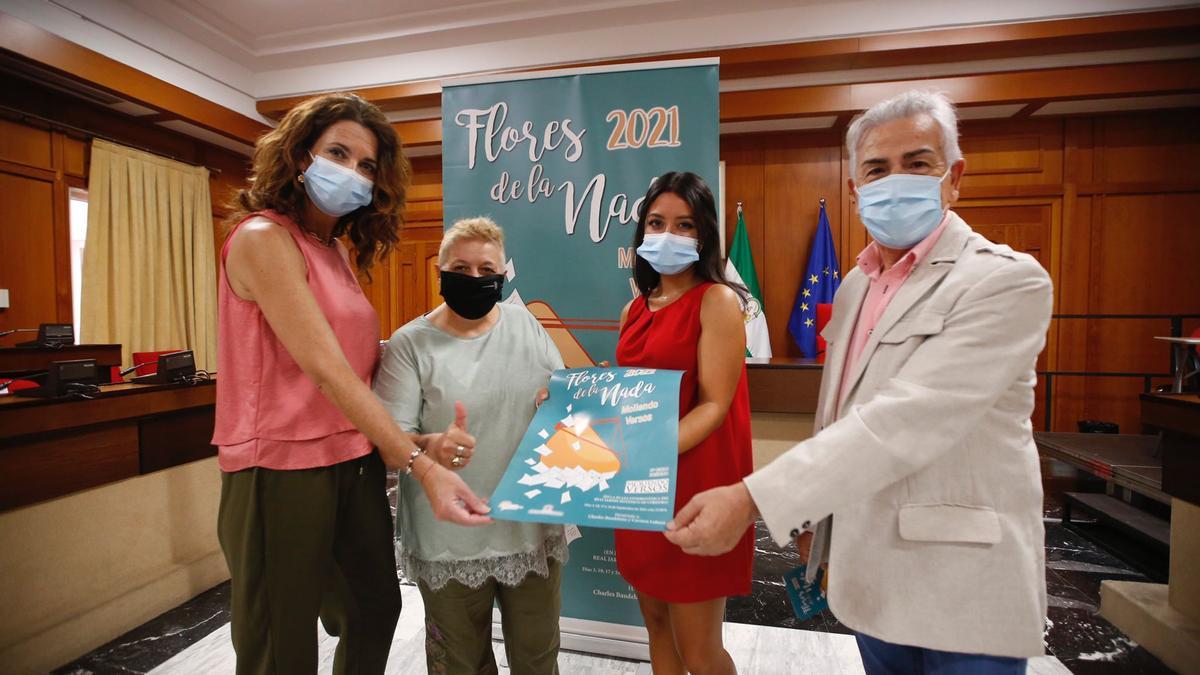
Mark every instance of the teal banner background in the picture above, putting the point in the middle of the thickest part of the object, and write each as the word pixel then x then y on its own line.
pixel 561 162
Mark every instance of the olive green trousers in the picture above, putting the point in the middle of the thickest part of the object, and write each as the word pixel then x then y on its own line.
pixel 458 625
pixel 304 544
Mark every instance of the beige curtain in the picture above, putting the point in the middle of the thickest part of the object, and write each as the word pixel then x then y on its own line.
pixel 149 277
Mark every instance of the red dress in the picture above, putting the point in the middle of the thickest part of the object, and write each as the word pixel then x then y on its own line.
pixel 668 338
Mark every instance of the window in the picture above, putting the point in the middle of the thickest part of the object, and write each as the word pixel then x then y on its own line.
pixel 78 217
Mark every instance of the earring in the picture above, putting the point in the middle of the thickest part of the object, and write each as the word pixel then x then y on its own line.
pixel 299 178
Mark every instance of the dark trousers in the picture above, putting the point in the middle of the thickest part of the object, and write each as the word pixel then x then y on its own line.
pixel 458 625
pixel 305 544
pixel 885 658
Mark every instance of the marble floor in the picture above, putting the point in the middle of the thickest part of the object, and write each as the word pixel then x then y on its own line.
pixel 757 650
pixel 762 634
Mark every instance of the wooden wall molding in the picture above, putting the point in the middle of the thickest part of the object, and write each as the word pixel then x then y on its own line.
pixel 1055 84
pixel 411 96
pixel 844 100
pixel 1123 31
pixel 35 45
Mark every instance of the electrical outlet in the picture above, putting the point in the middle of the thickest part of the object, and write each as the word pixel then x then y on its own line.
pixel 3 298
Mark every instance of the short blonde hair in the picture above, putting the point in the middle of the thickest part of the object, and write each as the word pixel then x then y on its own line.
pixel 480 228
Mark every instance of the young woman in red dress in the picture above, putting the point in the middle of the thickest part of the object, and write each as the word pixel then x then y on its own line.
pixel 689 318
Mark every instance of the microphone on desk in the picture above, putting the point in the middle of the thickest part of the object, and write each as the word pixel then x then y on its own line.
pixel 53 335
pixel 77 377
pixel 175 367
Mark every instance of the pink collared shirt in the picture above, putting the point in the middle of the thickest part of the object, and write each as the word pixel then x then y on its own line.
pixel 884 286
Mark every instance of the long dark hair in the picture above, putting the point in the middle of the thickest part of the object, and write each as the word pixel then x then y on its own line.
pixel 692 189
pixel 373 229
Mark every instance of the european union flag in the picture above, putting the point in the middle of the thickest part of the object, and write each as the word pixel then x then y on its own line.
pixel 821 281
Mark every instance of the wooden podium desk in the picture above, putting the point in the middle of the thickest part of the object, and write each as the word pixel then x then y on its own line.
pixel 1165 618
pixel 783 403
pixel 53 447
pixel 24 360
pixel 783 385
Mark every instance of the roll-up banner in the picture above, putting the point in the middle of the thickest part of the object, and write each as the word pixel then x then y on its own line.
pixel 561 160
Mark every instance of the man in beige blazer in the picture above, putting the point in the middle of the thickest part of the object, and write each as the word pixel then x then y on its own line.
pixel 921 482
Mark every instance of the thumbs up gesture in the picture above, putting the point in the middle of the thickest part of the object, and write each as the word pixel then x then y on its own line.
pixel 453 448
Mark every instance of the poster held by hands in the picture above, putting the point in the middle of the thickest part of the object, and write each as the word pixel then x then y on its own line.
pixel 602 451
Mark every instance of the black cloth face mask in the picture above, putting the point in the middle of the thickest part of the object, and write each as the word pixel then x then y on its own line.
pixel 471 297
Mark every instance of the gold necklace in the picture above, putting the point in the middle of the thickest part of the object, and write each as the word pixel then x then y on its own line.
pixel 317 238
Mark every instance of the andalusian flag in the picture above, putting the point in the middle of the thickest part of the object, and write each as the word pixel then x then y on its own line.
pixel 740 269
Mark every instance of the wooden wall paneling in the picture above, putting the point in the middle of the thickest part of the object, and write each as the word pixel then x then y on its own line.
pixel 30 98
pixel 1144 260
pixel 27 250
pixel 175 438
pixel 744 182
pixel 401 288
pixel 39 46
pixel 1010 153
pixel 76 153
pixel 26 145
pixel 1071 287
pixel 1143 252
pixel 376 288
pixel 1072 296
pixel 418 133
pixel 63 109
pixel 410 278
pixel 433 280
pixel 65 462
pixel 1031 226
pixel 851 236
pixel 1147 148
pixel 800 169
pixel 62 235
pixel 408 96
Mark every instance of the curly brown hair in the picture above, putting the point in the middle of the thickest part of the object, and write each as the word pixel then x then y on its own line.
pixel 373 229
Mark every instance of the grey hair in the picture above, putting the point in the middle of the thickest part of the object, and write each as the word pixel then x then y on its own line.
pixel 908 104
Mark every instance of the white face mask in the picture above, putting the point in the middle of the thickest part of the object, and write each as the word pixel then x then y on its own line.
pixel 335 189
pixel 669 253
pixel 901 209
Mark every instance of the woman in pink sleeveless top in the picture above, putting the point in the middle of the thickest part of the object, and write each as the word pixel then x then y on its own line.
pixel 303 442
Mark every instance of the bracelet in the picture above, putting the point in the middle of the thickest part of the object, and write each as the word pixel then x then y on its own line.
pixel 432 465
pixel 412 457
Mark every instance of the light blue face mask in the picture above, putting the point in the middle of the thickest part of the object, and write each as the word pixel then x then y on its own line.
pixel 669 253
pixel 335 189
pixel 901 209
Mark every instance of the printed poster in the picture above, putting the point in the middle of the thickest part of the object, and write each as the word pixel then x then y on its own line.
pixel 602 451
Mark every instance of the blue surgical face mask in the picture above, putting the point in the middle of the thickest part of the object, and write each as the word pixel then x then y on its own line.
pixel 669 253
pixel 335 189
pixel 901 209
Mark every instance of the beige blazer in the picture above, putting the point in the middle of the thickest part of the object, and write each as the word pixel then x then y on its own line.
pixel 929 471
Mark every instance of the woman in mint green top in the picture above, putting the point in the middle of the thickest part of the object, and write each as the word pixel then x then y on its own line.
pixel 496 359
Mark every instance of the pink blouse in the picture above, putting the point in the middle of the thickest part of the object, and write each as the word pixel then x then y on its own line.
pixel 269 413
